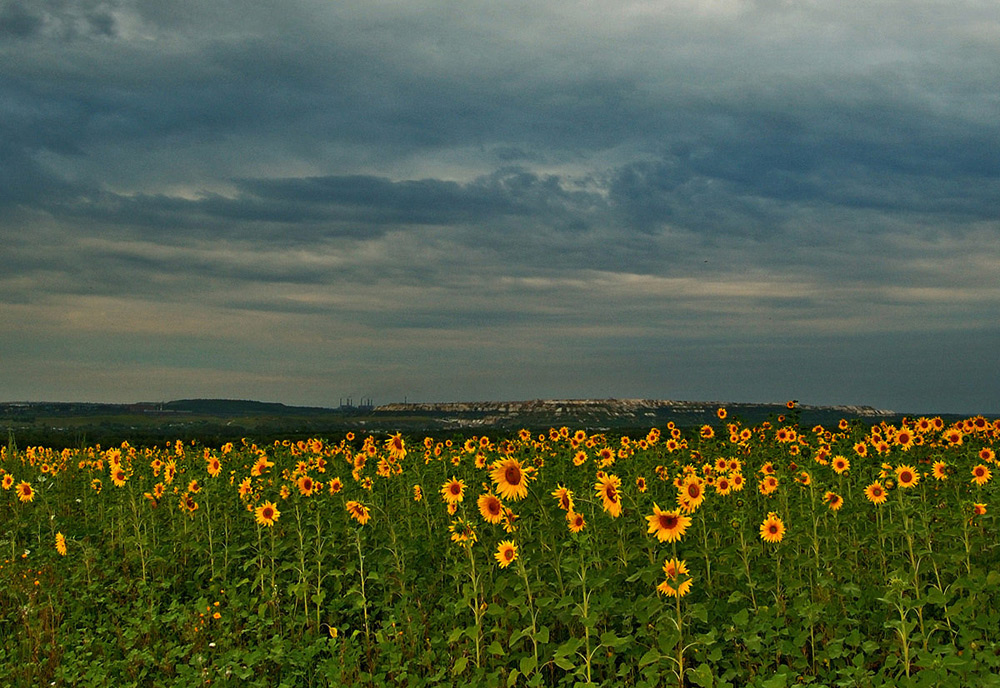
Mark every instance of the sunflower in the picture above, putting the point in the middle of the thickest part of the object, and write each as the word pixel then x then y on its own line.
pixel 506 553
pixel 61 544
pixel 768 485
pixel 24 491
pixel 678 582
pixel 607 488
pixel 903 439
pixel 119 477
pixel 906 476
pixel 580 458
pixel 8 481
pixel 396 446
pixel 981 474
pixel 306 485
pixel 511 479
pixel 978 509
pixel 640 484
pixel 418 493
pixel 214 467
pixel 358 511
pixel 453 491
pixel 833 500
pixel 691 493
pixel 737 479
pixel 564 496
pixel 861 449
pixel 772 529
pixel 721 413
pixel 875 493
pixel 723 485
pixel 841 464
pixel 668 526
pixel 940 470
pixel 266 514
pixel 575 522
pixel 463 533
pixel 490 507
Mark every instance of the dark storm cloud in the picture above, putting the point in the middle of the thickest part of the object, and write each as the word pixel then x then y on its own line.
pixel 417 192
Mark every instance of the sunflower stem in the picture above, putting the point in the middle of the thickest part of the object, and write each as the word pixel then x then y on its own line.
pixel 531 608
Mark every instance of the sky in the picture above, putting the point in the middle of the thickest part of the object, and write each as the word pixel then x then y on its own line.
pixel 308 200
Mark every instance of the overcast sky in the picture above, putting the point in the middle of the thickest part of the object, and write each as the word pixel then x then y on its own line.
pixel 305 200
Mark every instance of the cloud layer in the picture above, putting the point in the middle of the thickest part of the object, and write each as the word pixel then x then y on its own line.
pixel 305 201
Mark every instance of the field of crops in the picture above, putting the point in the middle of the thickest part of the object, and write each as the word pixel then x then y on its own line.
pixel 727 555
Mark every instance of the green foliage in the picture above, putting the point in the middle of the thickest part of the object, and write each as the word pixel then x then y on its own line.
pixel 172 577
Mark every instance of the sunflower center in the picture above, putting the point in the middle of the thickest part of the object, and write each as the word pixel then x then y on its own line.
pixel 668 521
pixel 694 490
pixel 512 475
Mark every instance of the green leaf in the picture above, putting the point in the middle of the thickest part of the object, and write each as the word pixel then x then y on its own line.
pixel 651 656
pixel 528 664
pixel 702 676
pixel 459 666
pixel 563 662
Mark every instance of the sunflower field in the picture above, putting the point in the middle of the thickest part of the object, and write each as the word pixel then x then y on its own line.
pixel 726 555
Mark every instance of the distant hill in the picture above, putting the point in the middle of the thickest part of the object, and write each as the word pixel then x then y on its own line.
pixel 58 424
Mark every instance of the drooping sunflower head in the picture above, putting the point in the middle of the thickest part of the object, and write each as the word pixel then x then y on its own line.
pixel 564 496
pixel 358 511
pixel 607 488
